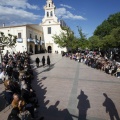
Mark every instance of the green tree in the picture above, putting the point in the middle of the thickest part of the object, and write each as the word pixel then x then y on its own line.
pixel 104 29
pixel 108 25
pixel 9 41
pixel 82 40
pixel 94 42
pixel 69 40
pixel 66 38
pixel 108 33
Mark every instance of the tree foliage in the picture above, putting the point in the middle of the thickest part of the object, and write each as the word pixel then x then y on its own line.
pixel 108 25
pixel 9 41
pixel 65 39
pixel 107 35
pixel 69 40
pixel 82 39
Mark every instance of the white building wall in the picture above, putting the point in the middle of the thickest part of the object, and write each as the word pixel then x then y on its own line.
pixel 34 32
pixel 14 31
pixel 25 34
pixel 22 46
pixel 48 38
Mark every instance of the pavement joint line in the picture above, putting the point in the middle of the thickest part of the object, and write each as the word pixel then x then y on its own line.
pixel 73 96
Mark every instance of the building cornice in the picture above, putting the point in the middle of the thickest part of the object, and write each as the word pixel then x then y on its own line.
pixel 50 20
pixel 17 26
pixel 50 24
pixel 35 29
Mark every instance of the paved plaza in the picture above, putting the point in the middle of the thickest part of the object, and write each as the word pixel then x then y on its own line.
pixel 67 90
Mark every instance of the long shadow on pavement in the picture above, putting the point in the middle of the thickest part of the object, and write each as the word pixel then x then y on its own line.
pixel 83 105
pixel 2 101
pixel 51 113
pixel 110 108
pixel 48 68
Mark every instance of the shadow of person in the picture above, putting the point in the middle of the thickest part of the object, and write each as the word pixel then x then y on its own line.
pixel 54 112
pixel 2 101
pixel 53 108
pixel 83 105
pixel 110 108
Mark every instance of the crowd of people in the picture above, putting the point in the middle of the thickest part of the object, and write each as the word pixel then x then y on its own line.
pixel 17 76
pixel 97 61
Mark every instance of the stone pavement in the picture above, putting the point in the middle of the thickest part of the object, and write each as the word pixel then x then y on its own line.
pixel 68 90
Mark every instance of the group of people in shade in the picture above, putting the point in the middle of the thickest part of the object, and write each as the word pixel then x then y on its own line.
pixel 17 76
pixel 97 61
pixel 43 61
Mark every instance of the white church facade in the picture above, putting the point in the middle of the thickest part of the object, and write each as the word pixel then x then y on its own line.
pixel 36 38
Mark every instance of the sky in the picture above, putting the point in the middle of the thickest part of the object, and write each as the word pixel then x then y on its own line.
pixel 86 14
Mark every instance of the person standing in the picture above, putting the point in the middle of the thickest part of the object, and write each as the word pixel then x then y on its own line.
pixel 43 60
pixel 48 60
pixel 37 61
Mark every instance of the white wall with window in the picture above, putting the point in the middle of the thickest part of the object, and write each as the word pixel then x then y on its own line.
pixel 20 32
pixel 34 37
pixel 23 33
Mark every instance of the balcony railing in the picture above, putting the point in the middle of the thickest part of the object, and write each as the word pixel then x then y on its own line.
pixel 19 40
pixel 30 40
pixel 36 41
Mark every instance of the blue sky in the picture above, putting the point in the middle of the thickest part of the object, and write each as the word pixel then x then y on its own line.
pixel 87 14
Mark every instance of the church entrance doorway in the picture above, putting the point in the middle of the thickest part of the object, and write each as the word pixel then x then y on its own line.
pixel 49 49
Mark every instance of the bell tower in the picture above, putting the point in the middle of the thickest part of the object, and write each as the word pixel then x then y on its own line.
pixel 49 12
pixel 50 26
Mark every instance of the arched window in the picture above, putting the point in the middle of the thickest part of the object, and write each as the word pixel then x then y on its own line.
pixel 49 5
pixel 51 14
pixel 47 14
